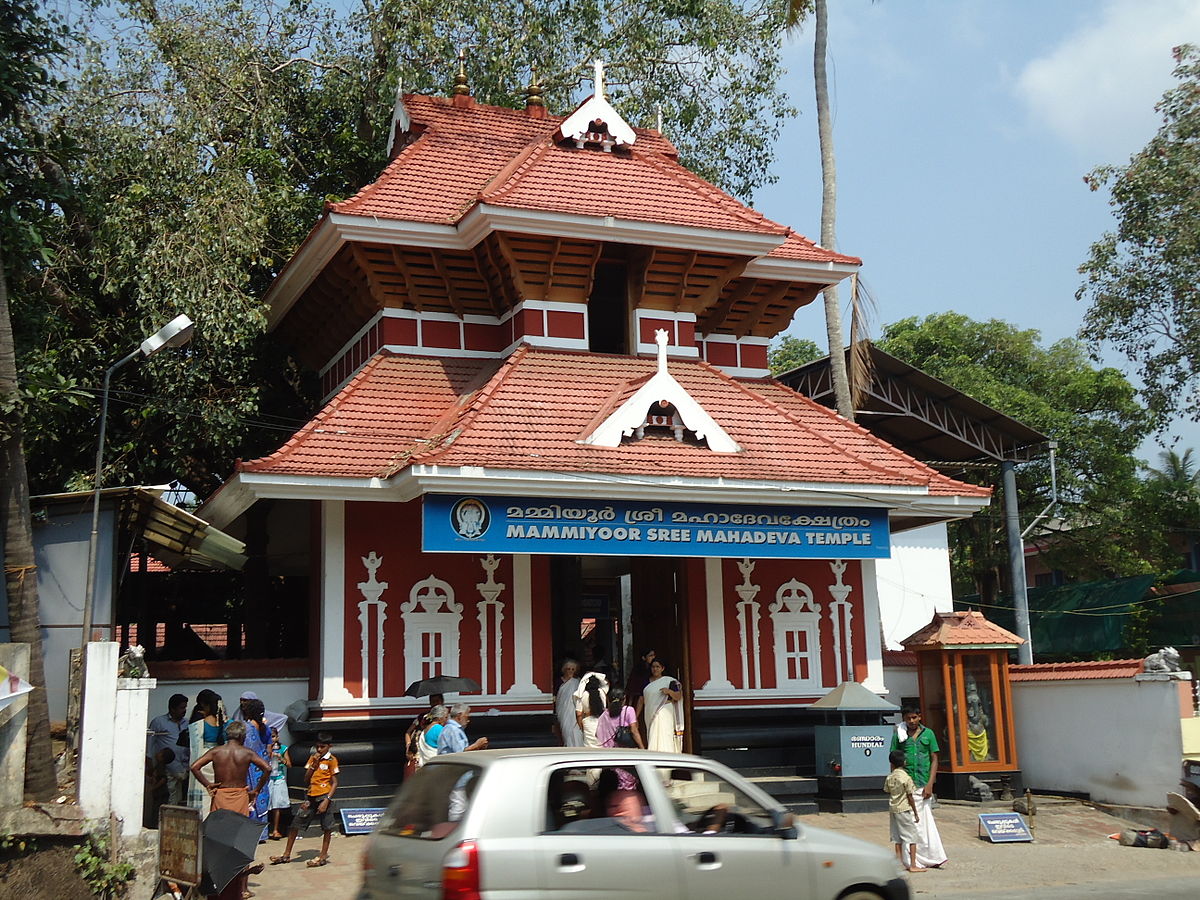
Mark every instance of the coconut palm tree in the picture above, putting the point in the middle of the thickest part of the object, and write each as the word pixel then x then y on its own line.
pixel 833 312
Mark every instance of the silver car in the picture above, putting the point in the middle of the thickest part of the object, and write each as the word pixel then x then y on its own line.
pixel 566 824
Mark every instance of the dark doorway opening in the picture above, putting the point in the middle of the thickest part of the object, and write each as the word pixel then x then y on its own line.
pixel 608 309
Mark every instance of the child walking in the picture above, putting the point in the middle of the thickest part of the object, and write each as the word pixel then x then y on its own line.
pixel 277 788
pixel 321 781
pixel 903 812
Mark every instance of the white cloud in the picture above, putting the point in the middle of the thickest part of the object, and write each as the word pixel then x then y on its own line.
pixel 1097 88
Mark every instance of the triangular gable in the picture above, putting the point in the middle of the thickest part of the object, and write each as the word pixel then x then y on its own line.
pixel 663 389
pixel 596 122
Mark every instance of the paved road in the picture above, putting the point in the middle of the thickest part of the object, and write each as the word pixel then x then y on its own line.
pixel 1072 859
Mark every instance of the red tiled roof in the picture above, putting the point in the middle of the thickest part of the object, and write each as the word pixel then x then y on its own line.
pixel 532 411
pixel 900 659
pixel 464 155
pixel 969 628
pixel 152 565
pixel 1110 668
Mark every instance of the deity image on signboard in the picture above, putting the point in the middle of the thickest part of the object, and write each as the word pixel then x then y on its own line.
pixel 470 518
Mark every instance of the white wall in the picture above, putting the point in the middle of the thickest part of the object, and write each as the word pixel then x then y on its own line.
pixel 1118 740
pixel 901 682
pixel 914 583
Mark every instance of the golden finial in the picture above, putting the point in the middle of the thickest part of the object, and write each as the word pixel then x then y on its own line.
pixel 460 80
pixel 534 92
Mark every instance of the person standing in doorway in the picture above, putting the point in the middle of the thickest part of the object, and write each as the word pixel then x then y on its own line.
pixel 206 730
pixel 164 735
pixel 564 705
pixel 639 677
pixel 591 697
pixel 921 749
pixel 661 703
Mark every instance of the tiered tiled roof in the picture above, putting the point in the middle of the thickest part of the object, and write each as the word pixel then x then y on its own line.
pixel 530 413
pixel 1071 671
pixel 960 629
pixel 462 155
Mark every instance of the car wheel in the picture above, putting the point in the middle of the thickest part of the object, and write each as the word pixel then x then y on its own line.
pixel 861 894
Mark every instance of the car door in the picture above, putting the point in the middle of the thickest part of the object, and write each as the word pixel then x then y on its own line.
pixel 596 844
pixel 725 840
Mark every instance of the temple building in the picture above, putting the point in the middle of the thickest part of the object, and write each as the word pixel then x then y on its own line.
pixel 549 428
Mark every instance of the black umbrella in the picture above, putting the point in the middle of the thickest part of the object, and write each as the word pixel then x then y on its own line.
pixel 230 841
pixel 442 684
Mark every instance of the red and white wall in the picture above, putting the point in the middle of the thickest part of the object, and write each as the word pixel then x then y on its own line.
pixel 763 632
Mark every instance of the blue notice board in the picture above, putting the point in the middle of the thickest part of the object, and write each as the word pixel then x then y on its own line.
pixel 1004 828
pixel 456 523
pixel 362 820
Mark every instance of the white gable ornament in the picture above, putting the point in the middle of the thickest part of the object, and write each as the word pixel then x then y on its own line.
pixel 372 590
pixel 661 398
pixel 596 122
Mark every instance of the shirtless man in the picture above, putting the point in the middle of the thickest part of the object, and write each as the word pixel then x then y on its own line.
pixel 231 764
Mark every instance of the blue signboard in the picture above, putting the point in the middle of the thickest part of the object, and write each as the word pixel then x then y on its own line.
pixel 472 524
pixel 362 820
pixel 1003 828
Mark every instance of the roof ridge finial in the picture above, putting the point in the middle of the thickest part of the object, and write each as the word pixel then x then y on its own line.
pixel 460 80
pixel 661 338
pixel 535 102
pixel 598 78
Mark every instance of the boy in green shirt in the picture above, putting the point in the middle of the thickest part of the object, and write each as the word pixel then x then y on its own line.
pixel 920 748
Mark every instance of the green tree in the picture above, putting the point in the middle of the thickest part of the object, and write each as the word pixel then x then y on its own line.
pixel 216 130
pixel 1142 282
pixel 29 44
pixel 790 352
pixel 1093 413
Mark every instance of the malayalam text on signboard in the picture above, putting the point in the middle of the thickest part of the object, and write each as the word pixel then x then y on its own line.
pixel 179 844
pixel 457 524
pixel 1004 828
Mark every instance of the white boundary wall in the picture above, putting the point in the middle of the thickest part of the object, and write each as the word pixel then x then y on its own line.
pixel 914 583
pixel 1118 740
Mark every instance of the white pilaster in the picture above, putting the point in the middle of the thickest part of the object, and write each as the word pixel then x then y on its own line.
pixel 715 610
pixel 523 628
pixel 97 729
pixel 871 623
pixel 129 752
pixel 333 603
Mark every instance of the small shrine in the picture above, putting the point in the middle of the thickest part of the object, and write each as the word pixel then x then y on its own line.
pixel 966 698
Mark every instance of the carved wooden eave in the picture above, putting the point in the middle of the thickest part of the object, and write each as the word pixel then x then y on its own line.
pixel 660 388
pixel 759 307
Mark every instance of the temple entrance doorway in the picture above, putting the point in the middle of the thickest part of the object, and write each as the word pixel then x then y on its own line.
pixel 619 607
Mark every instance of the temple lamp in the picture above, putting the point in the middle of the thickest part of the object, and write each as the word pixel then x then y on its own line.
pixel 175 333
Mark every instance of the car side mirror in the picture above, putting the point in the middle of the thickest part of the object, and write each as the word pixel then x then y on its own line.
pixel 784 825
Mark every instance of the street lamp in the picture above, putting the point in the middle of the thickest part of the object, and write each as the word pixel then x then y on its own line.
pixel 175 333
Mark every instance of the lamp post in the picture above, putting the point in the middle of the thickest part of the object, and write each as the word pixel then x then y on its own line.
pixel 175 333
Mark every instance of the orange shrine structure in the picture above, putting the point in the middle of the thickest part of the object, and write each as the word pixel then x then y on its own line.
pixel 549 429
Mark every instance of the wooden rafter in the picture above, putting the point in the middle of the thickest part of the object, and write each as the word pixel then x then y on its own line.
pixel 688 267
pixel 452 293
pixel 639 271
pixel 378 294
pixel 720 312
pixel 410 285
pixel 712 293
pixel 507 297
pixel 514 267
pixel 773 295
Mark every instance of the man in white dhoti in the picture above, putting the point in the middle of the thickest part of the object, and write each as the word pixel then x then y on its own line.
pixel 564 705
pixel 921 750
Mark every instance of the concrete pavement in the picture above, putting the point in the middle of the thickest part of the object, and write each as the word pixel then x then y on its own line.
pixel 1072 857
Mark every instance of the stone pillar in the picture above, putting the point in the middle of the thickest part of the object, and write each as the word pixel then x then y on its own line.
pixel 97 729
pixel 15 658
pixel 129 751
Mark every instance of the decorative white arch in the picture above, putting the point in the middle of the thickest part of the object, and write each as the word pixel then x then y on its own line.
pixel 796 618
pixel 431 627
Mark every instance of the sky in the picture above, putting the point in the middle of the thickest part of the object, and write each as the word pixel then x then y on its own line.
pixel 963 130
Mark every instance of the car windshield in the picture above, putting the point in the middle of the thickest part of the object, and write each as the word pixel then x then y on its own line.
pixel 432 802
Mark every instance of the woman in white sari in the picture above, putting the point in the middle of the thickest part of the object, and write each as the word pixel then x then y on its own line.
pixel 564 705
pixel 591 697
pixel 664 716
pixel 205 731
